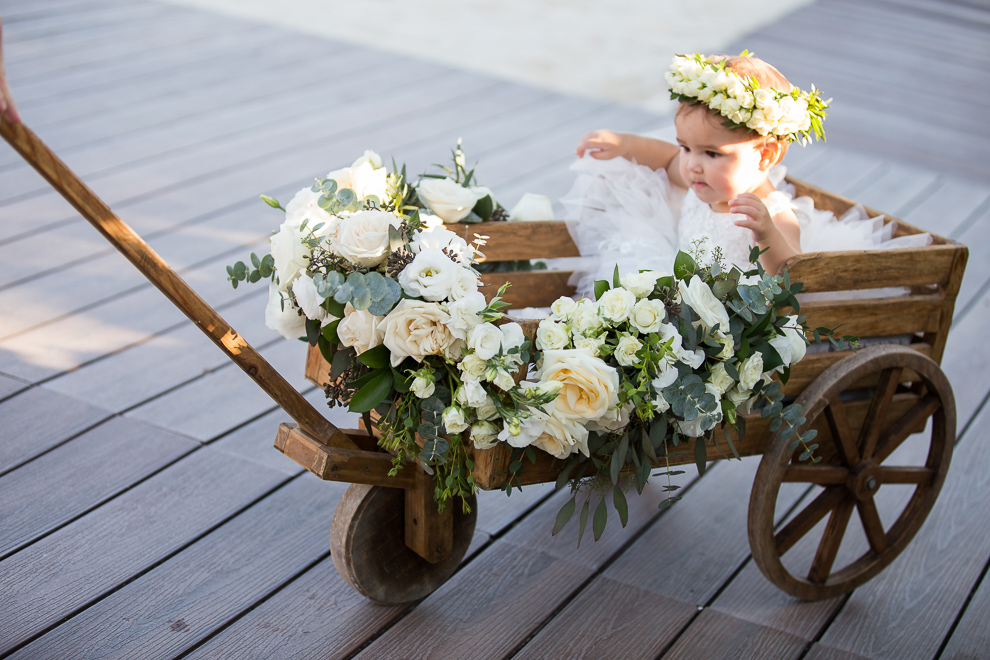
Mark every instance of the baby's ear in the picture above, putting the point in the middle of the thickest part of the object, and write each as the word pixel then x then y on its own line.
pixel 771 153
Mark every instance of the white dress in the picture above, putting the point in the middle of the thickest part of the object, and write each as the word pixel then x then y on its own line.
pixel 628 215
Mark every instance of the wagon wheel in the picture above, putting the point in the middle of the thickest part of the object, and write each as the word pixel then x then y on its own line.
pixel 854 470
pixel 367 543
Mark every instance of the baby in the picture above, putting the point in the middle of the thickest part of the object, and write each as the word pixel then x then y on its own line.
pixel 736 118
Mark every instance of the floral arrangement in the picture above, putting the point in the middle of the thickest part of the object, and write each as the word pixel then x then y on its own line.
pixel 795 115
pixel 362 269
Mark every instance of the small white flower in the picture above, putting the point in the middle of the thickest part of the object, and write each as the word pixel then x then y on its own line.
pixel 454 419
pixel 750 371
pixel 625 352
pixel 484 435
pixel 472 367
pixel 486 340
pixel 585 321
pixel 369 157
pixel 423 387
pixel 616 305
pixel 464 313
pixel 430 276
pixel 440 238
pixel 591 344
pixel 562 308
pixel 720 379
pixel 532 208
pixel 647 315
pixel 503 380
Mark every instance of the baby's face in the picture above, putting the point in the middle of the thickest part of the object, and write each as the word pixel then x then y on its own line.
pixel 717 162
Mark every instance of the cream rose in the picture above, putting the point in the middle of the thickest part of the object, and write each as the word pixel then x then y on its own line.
pixel 363 236
pixel 416 329
pixel 472 367
pixel 551 335
pixel 448 199
pixel 562 436
pixel 625 352
pixel 484 435
pixel 430 276
pixel 641 284
pixel 750 371
pixel 454 419
pixel 647 316
pixel 720 379
pixel 699 297
pixel 423 387
pixel 562 308
pixel 742 399
pixel 616 305
pixel 359 329
pixel 782 345
pixel 795 334
pixel 585 321
pixel 532 208
pixel 591 344
pixel 589 386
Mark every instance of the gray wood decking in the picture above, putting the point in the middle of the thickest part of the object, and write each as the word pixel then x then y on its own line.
pixel 143 512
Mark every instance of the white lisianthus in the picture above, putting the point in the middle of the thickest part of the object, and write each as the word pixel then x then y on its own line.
pixel 795 334
pixel 416 329
pixel 487 410
pixel 304 206
pixel 692 359
pixel 465 283
pixel 485 339
pixel 641 284
pixel 616 305
pixel 532 208
pixel 763 97
pixel 585 321
pixel 562 308
pixel 454 419
pixel 742 399
pixel 503 380
pixel 369 157
pixel 625 352
pixel 440 238
pixel 615 419
pixel 308 299
pixel 472 394
pixel 720 379
pixel 430 275
pixel 512 336
pixel 464 313
pixel 666 375
pixel 589 386
pixel 484 435
pixel 660 404
pixel 359 329
pixel 448 199
pixel 551 335
pixel 290 254
pixel 423 387
pixel 750 371
pixel 527 431
pixel 362 237
pixel 472 367
pixel 647 315
pixel 698 296
pixel 782 345
pixel 363 178
pixel 282 316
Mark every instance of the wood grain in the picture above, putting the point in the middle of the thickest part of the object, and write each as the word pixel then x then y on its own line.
pixel 716 635
pixel 511 241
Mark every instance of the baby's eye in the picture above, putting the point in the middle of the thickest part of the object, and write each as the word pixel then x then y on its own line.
pixel 712 154
pixel 684 149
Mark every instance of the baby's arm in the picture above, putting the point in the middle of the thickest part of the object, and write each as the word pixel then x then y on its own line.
pixel 780 234
pixel 655 154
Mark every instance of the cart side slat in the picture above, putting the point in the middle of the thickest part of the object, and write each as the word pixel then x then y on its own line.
pixel 814 364
pixel 878 317
pixel 873 269
pixel 536 288
pixel 511 241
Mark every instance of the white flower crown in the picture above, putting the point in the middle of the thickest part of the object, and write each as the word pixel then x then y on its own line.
pixel 795 115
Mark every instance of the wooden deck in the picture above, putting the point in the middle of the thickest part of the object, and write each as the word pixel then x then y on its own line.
pixel 143 511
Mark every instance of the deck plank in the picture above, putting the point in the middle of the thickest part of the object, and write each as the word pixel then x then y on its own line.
pixel 971 637
pixel 716 635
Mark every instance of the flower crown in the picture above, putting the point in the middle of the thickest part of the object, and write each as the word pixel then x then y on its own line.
pixel 795 115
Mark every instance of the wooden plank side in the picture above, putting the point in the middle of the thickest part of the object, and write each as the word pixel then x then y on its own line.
pixel 509 241
pixel 205 585
pixel 66 570
pixel 36 420
pixel 78 475
pixel 878 317
pixel 10 386
pixel 872 269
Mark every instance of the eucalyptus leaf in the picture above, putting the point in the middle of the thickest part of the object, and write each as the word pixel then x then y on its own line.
pixel 564 515
pixel 700 455
pixel 621 506
pixel 583 520
pixel 601 518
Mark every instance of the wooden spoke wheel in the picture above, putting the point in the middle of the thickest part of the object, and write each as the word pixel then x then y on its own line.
pixel 854 468
pixel 367 543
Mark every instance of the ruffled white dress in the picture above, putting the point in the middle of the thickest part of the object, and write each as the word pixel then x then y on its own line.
pixel 628 215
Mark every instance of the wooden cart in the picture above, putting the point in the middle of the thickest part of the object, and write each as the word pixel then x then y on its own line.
pixel 391 544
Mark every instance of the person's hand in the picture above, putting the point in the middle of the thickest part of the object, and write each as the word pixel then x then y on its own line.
pixel 757 218
pixel 7 108
pixel 603 145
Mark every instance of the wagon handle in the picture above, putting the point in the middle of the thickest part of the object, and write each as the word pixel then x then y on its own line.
pixel 152 266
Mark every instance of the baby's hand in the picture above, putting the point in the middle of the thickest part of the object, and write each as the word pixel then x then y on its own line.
pixel 758 220
pixel 603 145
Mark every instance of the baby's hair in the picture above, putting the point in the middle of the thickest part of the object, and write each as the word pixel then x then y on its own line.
pixel 747 66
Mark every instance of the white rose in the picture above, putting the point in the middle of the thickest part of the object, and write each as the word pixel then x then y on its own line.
pixel 472 394
pixel 484 435
pixel 416 329
pixel 562 436
pixel 362 237
pixel 369 157
pixel 464 313
pixel 742 399
pixel 750 371
pixel 666 375
pixel 440 238
pixel 616 305
pixel 472 367
pixel 485 339
pixel 282 316
pixel 585 321
pixel 763 97
pixel 625 352
pixel 448 199
pixel 699 297
pixel 795 334
pixel 641 284
pixel 430 275
pixel 503 380
pixel 487 410
pixel 647 315
pixel 422 387
pixel 363 178
pixel 360 329
pixel 589 386
pixel 532 208
pixel 512 336
pixel 562 308
pixel 303 206
pixel 308 298
pixel 720 379
pixel 782 345
pixel 290 254
pixel 591 344
pixel 551 335
pixel 454 419
pixel 615 419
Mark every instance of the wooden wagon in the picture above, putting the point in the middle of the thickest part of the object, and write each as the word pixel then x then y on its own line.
pixel 391 544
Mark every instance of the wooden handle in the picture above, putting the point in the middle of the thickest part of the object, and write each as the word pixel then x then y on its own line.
pixel 132 246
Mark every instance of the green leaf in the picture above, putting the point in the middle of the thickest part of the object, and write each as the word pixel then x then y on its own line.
pixel 601 286
pixel 616 281
pixel 564 515
pixel 700 455
pixel 333 308
pixel 621 506
pixel 484 208
pixel 346 196
pixel 376 285
pixel 583 520
pixel 399 382
pixel 601 517
pixel 647 444
pixel 373 393
pixel 312 331
pixel 376 358
pixel 341 360
pixel 329 332
pixel 684 266
pixel 326 348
